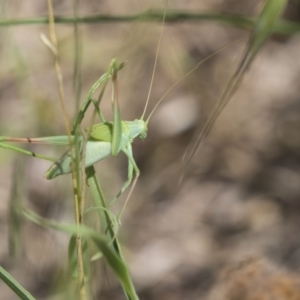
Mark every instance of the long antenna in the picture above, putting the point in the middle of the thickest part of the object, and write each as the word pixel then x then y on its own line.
pixel 155 62
pixel 186 75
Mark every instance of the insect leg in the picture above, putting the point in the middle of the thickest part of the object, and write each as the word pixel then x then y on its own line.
pixel 132 168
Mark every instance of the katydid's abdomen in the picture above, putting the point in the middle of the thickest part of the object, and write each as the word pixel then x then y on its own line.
pixel 95 151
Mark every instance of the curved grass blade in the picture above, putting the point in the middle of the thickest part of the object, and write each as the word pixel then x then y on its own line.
pixel 108 222
pixel 15 285
pixel 117 265
pixel 260 33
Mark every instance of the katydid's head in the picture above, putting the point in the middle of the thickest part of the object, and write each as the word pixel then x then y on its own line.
pixel 137 128
pixel 143 129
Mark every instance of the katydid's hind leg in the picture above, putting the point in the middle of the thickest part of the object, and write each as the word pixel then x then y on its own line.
pixel 128 196
pixel 131 164
pixel 127 183
pixel 132 167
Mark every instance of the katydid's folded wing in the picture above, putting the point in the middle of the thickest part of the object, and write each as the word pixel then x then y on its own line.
pixel 104 132
pixel 101 132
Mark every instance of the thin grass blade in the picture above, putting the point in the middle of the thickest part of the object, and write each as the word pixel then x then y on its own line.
pixel 110 227
pixel 15 220
pixel 260 33
pixel 117 265
pixel 15 286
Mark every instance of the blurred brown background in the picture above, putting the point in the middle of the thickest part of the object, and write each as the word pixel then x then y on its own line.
pixel 231 229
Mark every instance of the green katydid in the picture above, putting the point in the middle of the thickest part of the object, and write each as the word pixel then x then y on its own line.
pixel 109 138
pixel 104 139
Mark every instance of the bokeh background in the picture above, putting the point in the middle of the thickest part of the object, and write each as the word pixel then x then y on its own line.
pixel 231 229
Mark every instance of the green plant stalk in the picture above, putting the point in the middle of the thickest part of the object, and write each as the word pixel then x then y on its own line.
pixel 281 27
pixel 15 220
pixel 76 178
pixel 116 264
pixel 106 221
